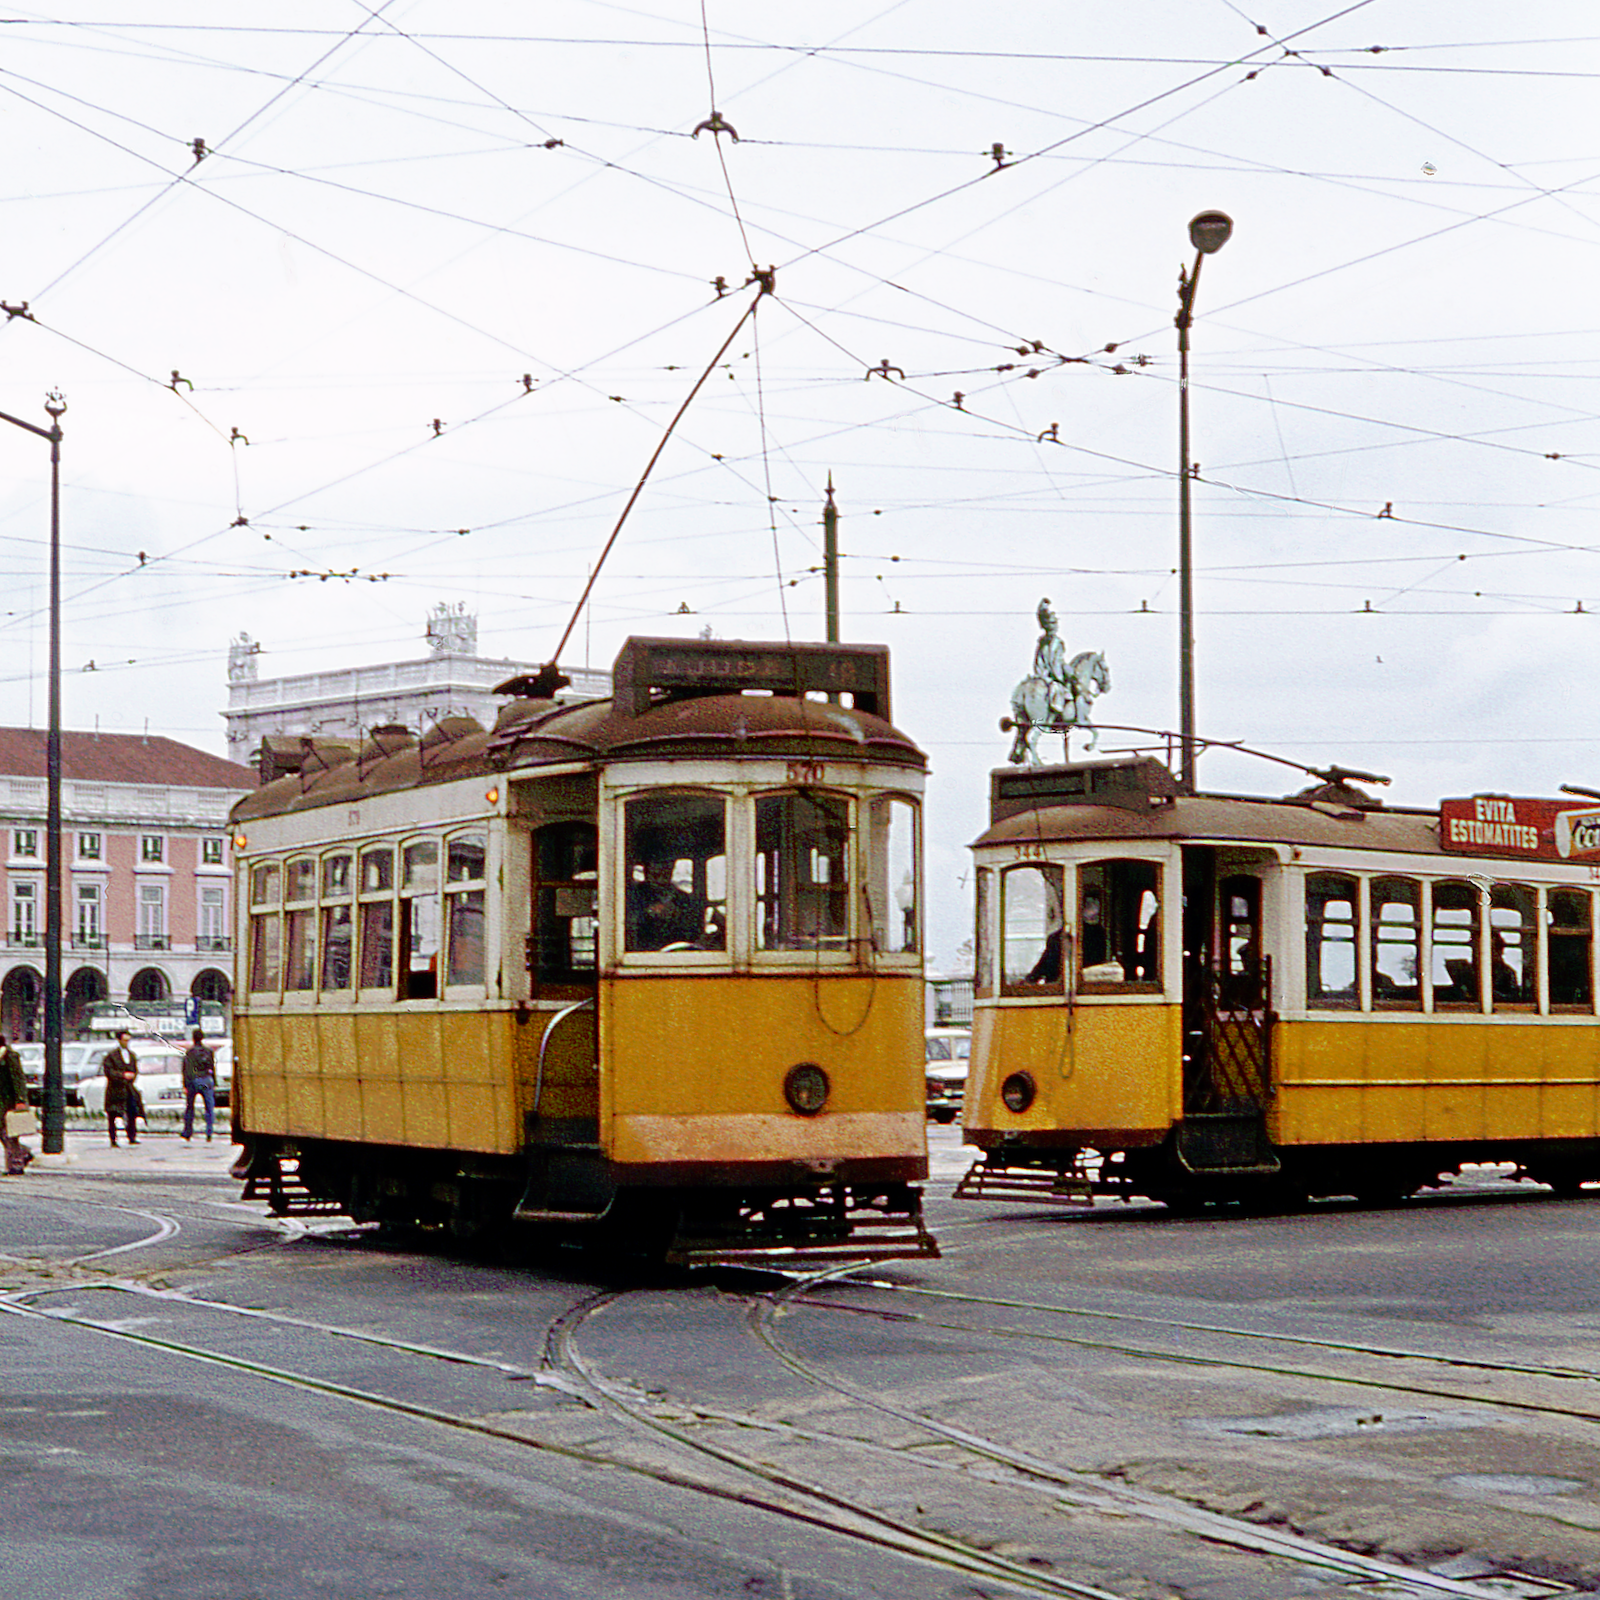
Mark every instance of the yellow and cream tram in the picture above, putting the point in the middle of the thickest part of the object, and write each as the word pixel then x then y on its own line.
pixel 1209 997
pixel 647 969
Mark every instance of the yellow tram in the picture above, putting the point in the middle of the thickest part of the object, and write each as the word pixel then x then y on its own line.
pixel 1211 997
pixel 645 969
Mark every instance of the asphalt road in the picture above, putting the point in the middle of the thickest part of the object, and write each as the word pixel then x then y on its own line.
pixel 197 1401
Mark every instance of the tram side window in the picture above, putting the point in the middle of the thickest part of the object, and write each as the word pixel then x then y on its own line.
pixel 418 941
pixel 463 908
pixel 338 921
pixel 1396 932
pixel 377 918
pixel 265 929
pixel 1032 899
pixel 1457 947
pixel 1513 947
pixel 300 925
pixel 983 938
pixel 676 866
pixel 1570 927
pixel 1331 942
pixel 892 886
pixel 802 871
pixel 563 950
pixel 1119 924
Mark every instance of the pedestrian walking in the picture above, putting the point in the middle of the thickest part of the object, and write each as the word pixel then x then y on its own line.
pixel 13 1098
pixel 199 1078
pixel 121 1067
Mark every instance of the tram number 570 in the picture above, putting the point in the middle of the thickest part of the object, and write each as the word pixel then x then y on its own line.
pixel 804 772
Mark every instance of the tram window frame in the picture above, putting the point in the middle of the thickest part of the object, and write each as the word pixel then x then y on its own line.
pixel 1565 937
pixel 1455 996
pixel 1509 989
pixel 1113 929
pixel 798 908
pixel 299 940
pixel 464 924
pixel 1387 994
pixel 983 939
pixel 337 922
pixel 705 905
pixel 266 930
pixel 1016 976
pixel 419 931
pixel 375 920
pixel 565 878
pixel 891 844
pixel 1242 970
pixel 1321 888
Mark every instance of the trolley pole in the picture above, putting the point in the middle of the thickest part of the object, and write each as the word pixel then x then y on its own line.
pixel 1208 232
pixel 55 1104
pixel 830 562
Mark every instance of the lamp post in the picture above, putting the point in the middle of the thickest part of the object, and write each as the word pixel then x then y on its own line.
pixel 1208 232
pixel 55 1103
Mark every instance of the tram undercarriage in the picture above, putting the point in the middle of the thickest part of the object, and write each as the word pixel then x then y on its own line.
pixel 575 1195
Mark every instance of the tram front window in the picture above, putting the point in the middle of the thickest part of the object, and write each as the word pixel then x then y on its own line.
pixel 1120 924
pixel 802 872
pixel 1031 936
pixel 892 891
pixel 676 866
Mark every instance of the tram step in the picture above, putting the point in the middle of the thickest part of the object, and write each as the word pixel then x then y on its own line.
pixel 277 1181
pixel 879 1242
pixel 983 1182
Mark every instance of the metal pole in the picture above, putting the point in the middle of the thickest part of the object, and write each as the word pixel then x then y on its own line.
pixel 830 562
pixel 1186 771
pixel 55 1105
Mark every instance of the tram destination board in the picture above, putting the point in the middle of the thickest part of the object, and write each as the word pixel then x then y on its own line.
pixel 1505 825
pixel 729 665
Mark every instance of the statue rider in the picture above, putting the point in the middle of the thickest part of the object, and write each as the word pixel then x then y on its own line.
pixel 1050 662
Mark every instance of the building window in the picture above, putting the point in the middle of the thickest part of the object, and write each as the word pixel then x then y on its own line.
pixel 25 913
pixel 25 842
pixel 88 846
pixel 211 852
pixel 213 932
pixel 86 925
pixel 152 931
pixel 152 847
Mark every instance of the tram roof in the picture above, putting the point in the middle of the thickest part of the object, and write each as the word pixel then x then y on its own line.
pixel 685 723
pixel 1228 819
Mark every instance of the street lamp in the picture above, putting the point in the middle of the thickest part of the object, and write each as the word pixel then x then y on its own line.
pixel 55 1102
pixel 1208 232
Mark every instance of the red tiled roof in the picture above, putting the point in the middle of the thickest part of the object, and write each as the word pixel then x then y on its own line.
pixel 121 758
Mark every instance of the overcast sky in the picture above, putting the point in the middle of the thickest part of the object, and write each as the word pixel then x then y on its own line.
pixel 450 281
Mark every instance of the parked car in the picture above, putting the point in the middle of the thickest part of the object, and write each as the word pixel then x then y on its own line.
pixel 947 1053
pixel 160 1075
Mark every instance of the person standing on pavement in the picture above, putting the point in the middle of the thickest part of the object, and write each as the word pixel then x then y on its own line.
pixel 199 1078
pixel 13 1097
pixel 121 1066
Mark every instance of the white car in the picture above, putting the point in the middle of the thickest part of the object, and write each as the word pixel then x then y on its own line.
pixel 947 1052
pixel 80 1058
pixel 160 1079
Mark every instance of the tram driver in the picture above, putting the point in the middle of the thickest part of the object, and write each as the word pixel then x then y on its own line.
pixel 660 914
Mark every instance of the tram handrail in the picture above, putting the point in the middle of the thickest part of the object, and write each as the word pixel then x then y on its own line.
pixel 544 1044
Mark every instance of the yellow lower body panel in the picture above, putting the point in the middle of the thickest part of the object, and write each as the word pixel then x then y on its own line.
pixel 1097 1069
pixel 441 1079
pixel 1361 1081
pixel 695 1069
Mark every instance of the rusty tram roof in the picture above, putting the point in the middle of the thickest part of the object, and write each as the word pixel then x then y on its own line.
pixel 679 721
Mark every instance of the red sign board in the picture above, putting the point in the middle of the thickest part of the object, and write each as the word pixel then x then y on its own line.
pixel 1500 825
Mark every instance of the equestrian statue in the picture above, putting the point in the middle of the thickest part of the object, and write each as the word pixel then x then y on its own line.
pixel 1057 696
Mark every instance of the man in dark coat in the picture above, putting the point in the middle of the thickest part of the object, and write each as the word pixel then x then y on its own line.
pixel 199 1078
pixel 13 1097
pixel 121 1068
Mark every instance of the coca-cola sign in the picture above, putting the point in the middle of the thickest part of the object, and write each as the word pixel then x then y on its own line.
pixel 1578 833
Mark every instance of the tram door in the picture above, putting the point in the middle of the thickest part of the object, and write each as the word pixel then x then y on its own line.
pixel 563 962
pixel 1227 1017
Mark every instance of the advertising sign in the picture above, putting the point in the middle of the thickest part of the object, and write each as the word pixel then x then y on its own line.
pixel 1503 825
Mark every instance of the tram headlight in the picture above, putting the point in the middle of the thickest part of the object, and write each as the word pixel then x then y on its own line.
pixel 806 1088
pixel 1017 1092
